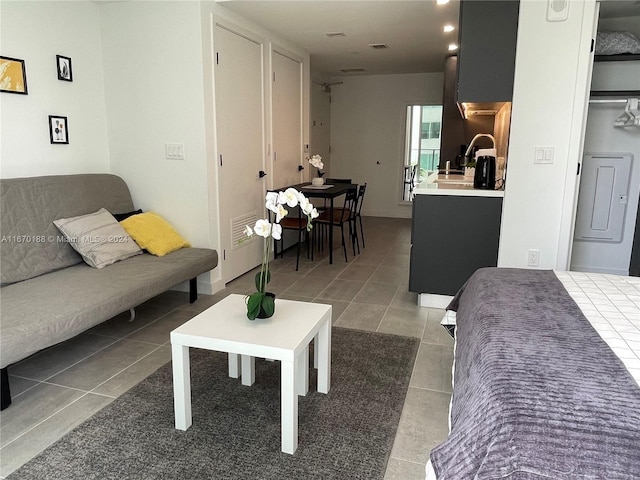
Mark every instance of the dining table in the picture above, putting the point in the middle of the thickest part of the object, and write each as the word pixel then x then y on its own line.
pixel 328 192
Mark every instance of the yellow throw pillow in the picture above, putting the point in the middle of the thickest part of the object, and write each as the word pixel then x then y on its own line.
pixel 153 233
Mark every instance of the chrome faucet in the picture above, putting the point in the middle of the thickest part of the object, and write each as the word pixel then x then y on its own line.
pixel 488 135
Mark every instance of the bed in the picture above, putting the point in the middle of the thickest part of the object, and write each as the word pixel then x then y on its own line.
pixel 546 379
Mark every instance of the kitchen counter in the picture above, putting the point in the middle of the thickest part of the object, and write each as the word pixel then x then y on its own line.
pixel 459 185
pixel 455 230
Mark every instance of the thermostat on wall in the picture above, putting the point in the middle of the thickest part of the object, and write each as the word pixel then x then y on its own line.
pixel 557 10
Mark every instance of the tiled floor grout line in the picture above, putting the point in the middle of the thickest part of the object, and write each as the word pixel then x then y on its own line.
pixel 116 340
pixel 125 368
pixel 50 416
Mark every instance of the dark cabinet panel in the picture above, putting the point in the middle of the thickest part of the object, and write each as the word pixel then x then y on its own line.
pixel 487 50
pixel 457 131
pixel 452 236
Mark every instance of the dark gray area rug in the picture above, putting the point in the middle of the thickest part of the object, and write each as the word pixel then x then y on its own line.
pixel 347 434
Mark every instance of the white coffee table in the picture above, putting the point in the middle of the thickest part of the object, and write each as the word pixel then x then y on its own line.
pixel 224 327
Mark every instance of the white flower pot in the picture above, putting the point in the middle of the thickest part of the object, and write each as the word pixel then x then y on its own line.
pixel 469 172
pixel 317 181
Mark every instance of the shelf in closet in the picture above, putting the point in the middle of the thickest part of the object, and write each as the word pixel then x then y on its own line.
pixel 621 57
pixel 614 93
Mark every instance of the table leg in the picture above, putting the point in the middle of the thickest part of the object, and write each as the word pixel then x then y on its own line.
pixel 324 357
pixel 181 386
pixel 302 369
pixel 248 370
pixel 234 365
pixel 289 407
pixel 315 352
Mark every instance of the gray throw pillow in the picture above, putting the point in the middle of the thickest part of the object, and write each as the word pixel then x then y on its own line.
pixel 98 237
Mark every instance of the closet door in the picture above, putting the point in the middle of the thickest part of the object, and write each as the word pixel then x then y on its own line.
pixel 239 97
pixel 287 120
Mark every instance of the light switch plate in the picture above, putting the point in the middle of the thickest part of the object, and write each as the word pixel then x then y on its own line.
pixel 174 151
pixel 543 154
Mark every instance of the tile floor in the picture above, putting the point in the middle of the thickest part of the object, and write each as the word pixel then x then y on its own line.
pixel 59 388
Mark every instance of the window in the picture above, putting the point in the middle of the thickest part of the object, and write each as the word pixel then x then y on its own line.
pixel 422 145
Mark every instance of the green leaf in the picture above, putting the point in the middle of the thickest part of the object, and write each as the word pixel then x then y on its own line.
pixel 259 280
pixel 268 305
pixel 253 305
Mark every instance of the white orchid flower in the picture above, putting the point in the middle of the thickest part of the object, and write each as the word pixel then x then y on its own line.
pixel 272 201
pixel 316 161
pixel 276 231
pixel 262 228
pixel 281 213
pixel 314 213
pixel 289 196
pixel 306 205
pixel 248 231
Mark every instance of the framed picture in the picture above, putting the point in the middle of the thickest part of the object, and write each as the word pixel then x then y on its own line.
pixel 58 130
pixel 64 68
pixel 13 76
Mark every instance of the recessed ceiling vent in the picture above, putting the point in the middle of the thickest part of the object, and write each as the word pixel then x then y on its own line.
pixel 335 34
pixel 379 46
pixel 351 70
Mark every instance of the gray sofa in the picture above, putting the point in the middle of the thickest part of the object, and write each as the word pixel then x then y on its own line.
pixel 48 293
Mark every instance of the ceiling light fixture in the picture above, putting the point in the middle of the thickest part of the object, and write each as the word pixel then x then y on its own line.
pixel 452 47
pixel 448 28
pixel 442 2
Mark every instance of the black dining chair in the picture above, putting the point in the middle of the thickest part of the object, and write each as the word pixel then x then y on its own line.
pixel 342 216
pixel 300 225
pixel 410 178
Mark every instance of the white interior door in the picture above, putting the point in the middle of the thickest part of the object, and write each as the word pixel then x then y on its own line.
pixel 287 120
pixel 239 94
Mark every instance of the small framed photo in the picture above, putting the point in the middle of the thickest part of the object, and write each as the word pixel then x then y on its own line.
pixel 13 76
pixel 64 68
pixel 58 130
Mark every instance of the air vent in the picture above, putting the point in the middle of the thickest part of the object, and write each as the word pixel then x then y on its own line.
pixel 379 46
pixel 351 70
pixel 238 227
pixel 335 34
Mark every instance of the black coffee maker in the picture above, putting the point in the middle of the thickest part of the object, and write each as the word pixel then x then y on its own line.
pixel 485 176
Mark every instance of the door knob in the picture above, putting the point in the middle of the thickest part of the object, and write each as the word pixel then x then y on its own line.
pixel 262 173
pixel 300 168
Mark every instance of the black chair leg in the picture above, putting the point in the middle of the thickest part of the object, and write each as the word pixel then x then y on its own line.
pixel 344 245
pixel 361 231
pixel 298 250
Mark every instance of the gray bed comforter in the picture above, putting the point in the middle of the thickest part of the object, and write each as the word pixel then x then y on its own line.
pixel 537 392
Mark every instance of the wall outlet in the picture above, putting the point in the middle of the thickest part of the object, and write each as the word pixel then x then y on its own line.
pixel 533 258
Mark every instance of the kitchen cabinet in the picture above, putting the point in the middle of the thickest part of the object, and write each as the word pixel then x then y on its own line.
pixel 457 131
pixel 487 50
pixel 452 235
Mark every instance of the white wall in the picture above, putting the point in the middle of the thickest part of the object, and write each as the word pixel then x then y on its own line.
pixel 367 133
pixel 320 126
pixel 36 32
pixel 549 109
pixel 153 75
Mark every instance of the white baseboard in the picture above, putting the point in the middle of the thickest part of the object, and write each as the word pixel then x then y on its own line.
pixel 432 300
